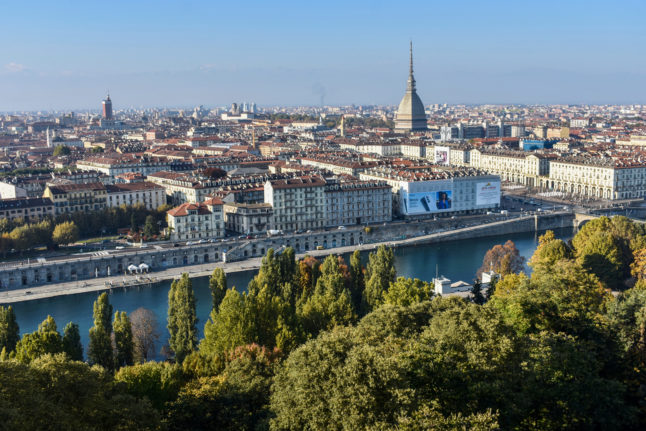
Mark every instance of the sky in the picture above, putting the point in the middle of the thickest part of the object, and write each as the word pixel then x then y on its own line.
pixel 66 55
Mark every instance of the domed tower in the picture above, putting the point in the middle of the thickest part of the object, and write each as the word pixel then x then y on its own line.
pixel 410 114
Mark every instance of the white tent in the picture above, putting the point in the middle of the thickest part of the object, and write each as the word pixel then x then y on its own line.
pixel 133 268
pixel 143 267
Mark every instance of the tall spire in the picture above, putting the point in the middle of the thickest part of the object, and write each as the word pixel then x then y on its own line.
pixel 411 80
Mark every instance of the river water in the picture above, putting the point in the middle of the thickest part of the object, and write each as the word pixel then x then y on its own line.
pixel 457 260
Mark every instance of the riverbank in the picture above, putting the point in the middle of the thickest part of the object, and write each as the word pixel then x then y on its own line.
pixel 510 226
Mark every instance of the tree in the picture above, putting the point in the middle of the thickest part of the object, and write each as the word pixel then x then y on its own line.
pixel 476 293
pixel 100 346
pixel 145 334
pixel 215 173
pixel 357 283
pixel 380 272
pixel 9 330
pixel 72 342
pixel 43 341
pixel 124 354
pixel 601 255
pixel 182 319
pixel 408 291
pixel 228 327
pixel 157 381
pixel 134 227
pixel 502 259
pixel 150 227
pixel 549 251
pixel 55 393
pixel 96 149
pixel 65 233
pixel 62 150
pixel 218 286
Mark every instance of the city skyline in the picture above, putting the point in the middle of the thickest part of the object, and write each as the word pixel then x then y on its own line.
pixel 332 54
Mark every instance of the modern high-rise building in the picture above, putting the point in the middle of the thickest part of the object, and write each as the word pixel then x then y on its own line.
pixel 410 114
pixel 107 108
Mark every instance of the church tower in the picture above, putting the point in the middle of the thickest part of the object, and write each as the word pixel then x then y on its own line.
pixel 410 115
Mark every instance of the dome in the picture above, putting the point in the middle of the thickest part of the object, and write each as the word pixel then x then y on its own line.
pixel 410 114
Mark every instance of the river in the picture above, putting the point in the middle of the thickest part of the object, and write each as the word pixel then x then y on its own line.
pixel 457 260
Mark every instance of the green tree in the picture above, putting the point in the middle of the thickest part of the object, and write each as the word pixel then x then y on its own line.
pixel 65 233
pixel 54 393
pixel 150 227
pixel 330 304
pixel 182 319
pixel 123 340
pixel 549 251
pixel 100 345
pixel 476 293
pixel 380 272
pixel 357 282
pixel 62 150
pixel 9 330
pixel 72 345
pixel 218 286
pixel 228 327
pixel 601 255
pixel 159 382
pixel 407 291
pixel 43 341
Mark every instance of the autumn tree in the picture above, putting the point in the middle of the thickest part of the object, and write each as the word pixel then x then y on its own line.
pixel 145 333
pixel 65 233
pixel 502 259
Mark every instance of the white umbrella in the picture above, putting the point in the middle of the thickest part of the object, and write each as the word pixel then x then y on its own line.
pixel 143 267
pixel 133 268
pixel 108 271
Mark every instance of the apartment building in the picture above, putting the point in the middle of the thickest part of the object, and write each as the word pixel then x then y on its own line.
pixel 357 202
pixel 27 209
pixel 298 203
pixel 513 166
pixel 69 198
pixel 150 195
pixel 248 218
pixel 195 221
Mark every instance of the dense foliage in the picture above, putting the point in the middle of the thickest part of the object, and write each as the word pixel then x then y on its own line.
pixel 338 346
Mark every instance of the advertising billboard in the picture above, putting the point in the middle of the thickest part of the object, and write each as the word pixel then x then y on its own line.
pixel 425 197
pixel 488 193
pixel 442 156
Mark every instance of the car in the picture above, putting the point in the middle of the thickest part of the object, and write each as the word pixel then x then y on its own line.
pixel 202 241
pixel 249 237
pixel 453 217
pixel 189 243
pixel 341 228
pixel 175 244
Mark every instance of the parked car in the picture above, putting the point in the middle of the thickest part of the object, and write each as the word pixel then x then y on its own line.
pixel 341 227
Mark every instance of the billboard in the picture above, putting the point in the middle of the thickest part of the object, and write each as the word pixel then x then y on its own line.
pixel 425 197
pixel 442 156
pixel 488 193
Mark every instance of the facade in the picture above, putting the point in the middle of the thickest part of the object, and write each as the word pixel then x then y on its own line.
pixel 195 221
pixel 147 194
pixel 410 114
pixel 248 218
pixel 28 209
pixel 358 202
pixel 298 203
pixel 597 178
pixel 114 165
pixel 69 198
pixel 513 166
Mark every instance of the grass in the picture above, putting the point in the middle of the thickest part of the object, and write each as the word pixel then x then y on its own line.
pixel 98 239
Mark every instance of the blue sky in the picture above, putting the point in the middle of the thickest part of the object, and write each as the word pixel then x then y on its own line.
pixel 67 54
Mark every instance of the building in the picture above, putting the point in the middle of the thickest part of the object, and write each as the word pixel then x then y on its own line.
pixel 107 108
pixel 27 209
pixel 513 166
pixel 357 202
pixel 150 195
pixel 116 164
pixel 248 218
pixel 298 203
pixel 410 114
pixel 195 221
pixel 70 198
